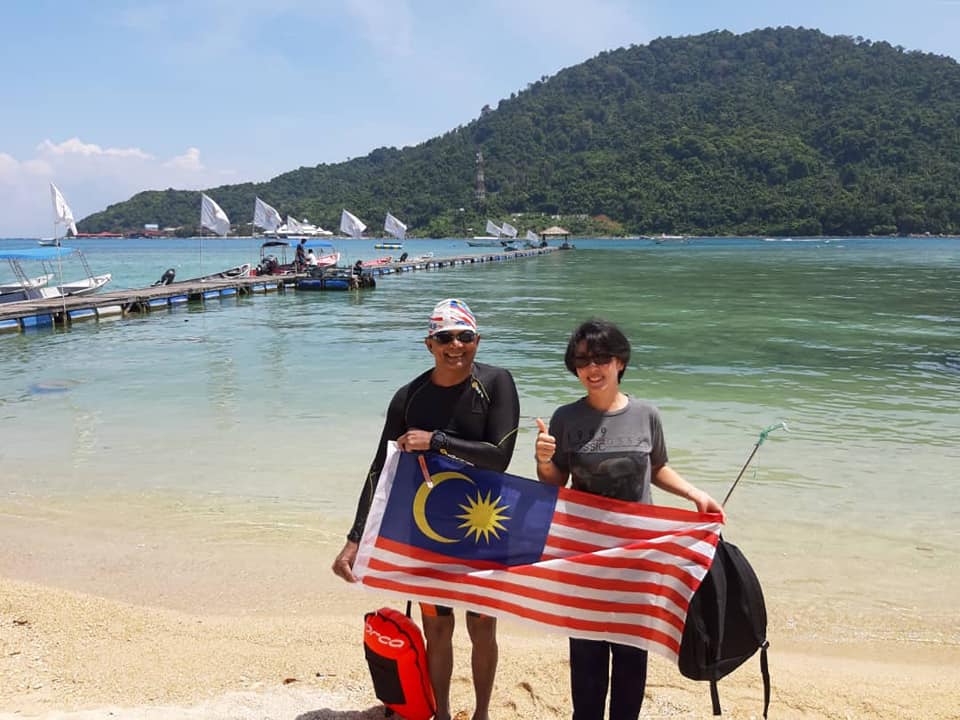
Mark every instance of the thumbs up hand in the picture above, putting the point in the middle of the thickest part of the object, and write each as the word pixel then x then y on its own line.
pixel 546 444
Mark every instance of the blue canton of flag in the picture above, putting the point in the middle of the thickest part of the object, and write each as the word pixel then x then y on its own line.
pixel 469 514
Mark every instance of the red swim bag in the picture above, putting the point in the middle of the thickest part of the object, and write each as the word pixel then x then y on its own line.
pixel 397 656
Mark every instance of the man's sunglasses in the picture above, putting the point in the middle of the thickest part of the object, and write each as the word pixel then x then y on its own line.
pixel 445 337
pixel 600 360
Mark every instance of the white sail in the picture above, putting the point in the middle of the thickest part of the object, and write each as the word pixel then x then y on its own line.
pixel 509 230
pixel 492 229
pixel 294 226
pixel 351 225
pixel 212 217
pixel 265 216
pixel 532 236
pixel 395 227
pixel 61 211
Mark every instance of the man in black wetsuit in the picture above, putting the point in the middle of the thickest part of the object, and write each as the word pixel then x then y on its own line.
pixel 470 411
pixel 300 261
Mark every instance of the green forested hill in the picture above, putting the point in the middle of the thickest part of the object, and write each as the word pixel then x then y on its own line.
pixel 776 131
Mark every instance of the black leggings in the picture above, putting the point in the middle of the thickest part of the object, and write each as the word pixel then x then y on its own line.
pixel 590 676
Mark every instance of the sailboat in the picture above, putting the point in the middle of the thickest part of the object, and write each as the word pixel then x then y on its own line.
pixel 351 225
pixel 265 216
pixel 509 238
pixel 491 239
pixel 396 228
pixel 51 261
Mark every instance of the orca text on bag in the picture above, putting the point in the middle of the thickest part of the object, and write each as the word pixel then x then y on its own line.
pixel 395 652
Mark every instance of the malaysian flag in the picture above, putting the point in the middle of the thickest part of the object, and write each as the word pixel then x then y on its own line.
pixel 569 562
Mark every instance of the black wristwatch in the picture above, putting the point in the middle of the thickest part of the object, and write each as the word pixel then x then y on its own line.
pixel 438 441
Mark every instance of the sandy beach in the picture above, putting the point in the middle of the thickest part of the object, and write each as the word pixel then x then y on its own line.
pixel 107 619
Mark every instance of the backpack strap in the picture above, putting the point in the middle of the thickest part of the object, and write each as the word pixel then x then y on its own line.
pixel 388 711
pixel 765 671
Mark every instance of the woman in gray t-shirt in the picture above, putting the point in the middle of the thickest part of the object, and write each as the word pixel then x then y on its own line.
pixel 608 444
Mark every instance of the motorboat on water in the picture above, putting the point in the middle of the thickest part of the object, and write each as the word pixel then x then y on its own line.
pixel 51 260
pixel 378 262
pixel 34 282
pixel 273 256
pixel 240 271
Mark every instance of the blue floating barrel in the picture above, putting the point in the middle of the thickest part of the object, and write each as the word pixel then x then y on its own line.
pixel 82 314
pixel 31 322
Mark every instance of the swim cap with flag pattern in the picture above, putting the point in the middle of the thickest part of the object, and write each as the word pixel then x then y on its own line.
pixel 451 314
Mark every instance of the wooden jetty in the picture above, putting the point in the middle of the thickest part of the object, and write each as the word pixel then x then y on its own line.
pixel 34 314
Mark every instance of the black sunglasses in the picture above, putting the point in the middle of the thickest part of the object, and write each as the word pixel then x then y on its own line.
pixel 600 359
pixel 445 337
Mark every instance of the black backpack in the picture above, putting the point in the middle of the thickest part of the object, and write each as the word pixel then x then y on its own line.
pixel 726 624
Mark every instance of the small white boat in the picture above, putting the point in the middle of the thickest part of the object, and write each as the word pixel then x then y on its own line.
pixel 51 259
pixel 664 238
pixel 240 271
pixel 84 286
pixel 34 282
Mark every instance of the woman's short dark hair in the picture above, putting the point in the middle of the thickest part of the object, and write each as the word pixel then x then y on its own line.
pixel 600 337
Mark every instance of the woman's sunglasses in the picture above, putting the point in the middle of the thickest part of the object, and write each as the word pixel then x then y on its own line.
pixel 600 360
pixel 445 337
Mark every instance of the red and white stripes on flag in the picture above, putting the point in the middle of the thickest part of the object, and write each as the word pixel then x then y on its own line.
pixel 608 569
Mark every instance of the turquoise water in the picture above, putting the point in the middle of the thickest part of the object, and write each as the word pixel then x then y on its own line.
pixel 275 402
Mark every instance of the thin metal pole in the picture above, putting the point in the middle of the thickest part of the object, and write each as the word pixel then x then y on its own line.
pixel 763 436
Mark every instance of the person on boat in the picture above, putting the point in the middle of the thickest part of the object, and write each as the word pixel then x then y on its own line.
pixel 609 444
pixel 300 261
pixel 358 267
pixel 464 409
pixel 311 258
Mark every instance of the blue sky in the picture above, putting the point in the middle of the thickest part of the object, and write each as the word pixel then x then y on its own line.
pixel 106 98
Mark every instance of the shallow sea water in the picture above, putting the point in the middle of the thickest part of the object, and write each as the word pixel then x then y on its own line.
pixel 272 405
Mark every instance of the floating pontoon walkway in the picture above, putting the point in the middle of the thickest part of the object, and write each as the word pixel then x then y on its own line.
pixel 33 314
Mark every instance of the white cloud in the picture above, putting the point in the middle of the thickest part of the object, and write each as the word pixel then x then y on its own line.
pixel 74 146
pixel 190 160
pixel 8 166
pixel 91 177
pixel 37 167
